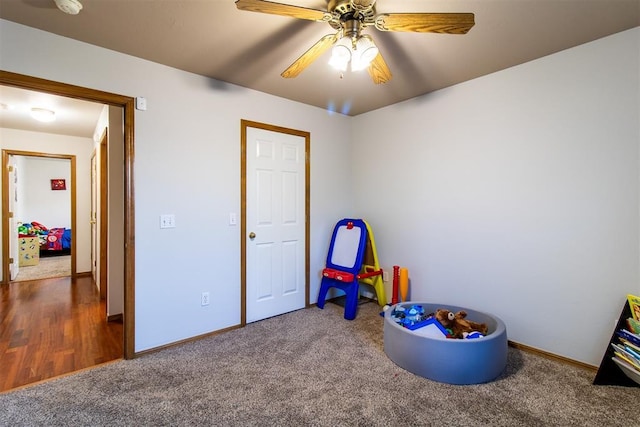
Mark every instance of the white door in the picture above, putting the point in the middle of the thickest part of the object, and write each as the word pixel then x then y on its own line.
pixel 275 223
pixel 13 225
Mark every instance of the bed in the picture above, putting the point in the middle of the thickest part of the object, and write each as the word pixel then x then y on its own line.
pixel 53 241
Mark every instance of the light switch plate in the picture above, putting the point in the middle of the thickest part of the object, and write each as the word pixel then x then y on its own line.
pixel 167 221
pixel 141 103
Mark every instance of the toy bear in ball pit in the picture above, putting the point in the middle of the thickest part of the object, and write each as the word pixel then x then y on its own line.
pixel 457 323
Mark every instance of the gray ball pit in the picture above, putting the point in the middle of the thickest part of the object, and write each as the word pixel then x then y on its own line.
pixel 452 361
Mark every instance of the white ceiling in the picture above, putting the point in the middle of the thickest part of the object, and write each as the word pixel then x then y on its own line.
pixel 73 117
pixel 215 39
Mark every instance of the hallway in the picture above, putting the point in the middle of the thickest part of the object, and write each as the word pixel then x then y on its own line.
pixel 52 327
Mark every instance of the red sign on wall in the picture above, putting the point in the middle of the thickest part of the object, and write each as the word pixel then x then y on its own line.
pixel 58 184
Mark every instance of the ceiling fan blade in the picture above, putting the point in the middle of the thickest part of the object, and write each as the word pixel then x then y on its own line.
pixel 378 70
pixel 309 56
pixel 447 23
pixel 283 9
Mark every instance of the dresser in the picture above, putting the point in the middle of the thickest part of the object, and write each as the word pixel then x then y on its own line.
pixel 28 251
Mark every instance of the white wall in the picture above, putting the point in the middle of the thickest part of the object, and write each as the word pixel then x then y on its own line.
pixel 516 193
pixel 38 142
pixel 51 208
pixel 187 162
pixel 20 176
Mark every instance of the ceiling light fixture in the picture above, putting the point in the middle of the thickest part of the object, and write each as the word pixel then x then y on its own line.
pixel 365 51
pixel 71 7
pixel 341 54
pixel 359 50
pixel 43 115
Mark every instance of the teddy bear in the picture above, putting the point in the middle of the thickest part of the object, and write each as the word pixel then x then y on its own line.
pixel 457 323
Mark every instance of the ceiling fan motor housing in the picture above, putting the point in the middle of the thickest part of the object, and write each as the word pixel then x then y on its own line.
pixel 362 4
pixel 352 28
pixel 347 10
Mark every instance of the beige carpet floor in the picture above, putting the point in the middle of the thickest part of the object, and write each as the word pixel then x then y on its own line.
pixel 58 266
pixel 312 368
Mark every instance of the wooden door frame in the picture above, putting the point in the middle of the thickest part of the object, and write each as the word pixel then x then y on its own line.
pixel 103 216
pixel 6 277
pixel 128 105
pixel 244 124
pixel 101 185
pixel 93 172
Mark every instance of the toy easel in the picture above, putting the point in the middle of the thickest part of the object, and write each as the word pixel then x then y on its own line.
pixel 371 273
pixel 347 265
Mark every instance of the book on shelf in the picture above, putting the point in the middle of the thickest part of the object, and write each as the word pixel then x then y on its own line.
pixel 629 344
pixel 635 352
pixel 629 371
pixel 634 305
pixel 633 325
pixel 627 356
pixel 629 336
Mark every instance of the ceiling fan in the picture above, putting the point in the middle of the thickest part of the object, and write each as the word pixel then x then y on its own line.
pixel 349 18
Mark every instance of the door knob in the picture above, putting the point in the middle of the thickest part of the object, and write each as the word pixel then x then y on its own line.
pixel 252 235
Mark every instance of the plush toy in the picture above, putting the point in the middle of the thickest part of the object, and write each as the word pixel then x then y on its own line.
pixel 458 324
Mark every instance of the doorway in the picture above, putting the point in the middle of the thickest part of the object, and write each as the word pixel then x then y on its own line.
pixel 274 230
pixel 128 249
pixel 54 210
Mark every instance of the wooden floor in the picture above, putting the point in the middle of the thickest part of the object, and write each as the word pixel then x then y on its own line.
pixel 53 327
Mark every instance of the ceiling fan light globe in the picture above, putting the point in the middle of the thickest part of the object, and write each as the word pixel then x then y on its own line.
pixel 365 52
pixel 369 54
pixel 339 63
pixel 363 43
pixel 358 64
pixel 341 54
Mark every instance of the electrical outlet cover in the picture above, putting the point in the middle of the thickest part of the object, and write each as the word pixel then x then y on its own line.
pixel 205 298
